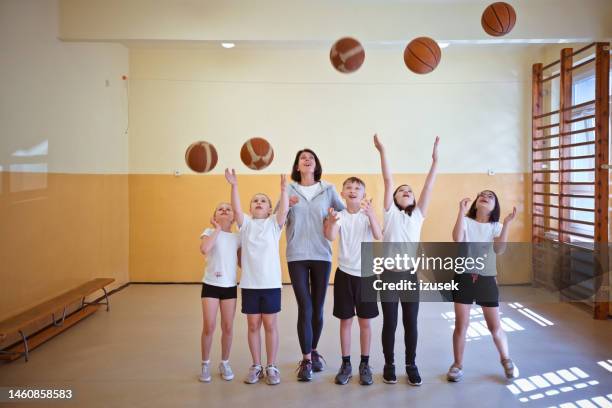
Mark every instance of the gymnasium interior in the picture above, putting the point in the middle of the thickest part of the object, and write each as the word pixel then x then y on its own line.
pixel 101 215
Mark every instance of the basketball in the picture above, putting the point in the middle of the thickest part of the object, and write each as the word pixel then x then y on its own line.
pixel 422 55
pixel 201 157
pixel 256 153
pixel 498 19
pixel 347 55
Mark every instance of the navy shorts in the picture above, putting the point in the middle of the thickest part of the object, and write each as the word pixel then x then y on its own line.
pixel 219 292
pixel 348 297
pixel 476 288
pixel 257 301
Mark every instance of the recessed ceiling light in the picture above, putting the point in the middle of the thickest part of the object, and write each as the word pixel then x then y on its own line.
pixel 228 45
pixel 443 44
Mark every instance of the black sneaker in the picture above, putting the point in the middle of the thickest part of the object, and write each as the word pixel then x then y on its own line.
pixel 304 370
pixel 389 374
pixel 365 374
pixel 413 375
pixel 344 374
pixel 317 361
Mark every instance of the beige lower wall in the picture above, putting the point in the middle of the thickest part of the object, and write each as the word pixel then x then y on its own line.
pixel 57 231
pixel 167 215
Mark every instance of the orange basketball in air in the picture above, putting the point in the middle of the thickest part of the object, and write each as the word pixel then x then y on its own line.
pixel 422 55
pixel 347 55
pixel 256 153
pixel 201 157
pixel 498 19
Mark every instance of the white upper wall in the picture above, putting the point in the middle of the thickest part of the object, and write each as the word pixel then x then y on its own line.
pixel 57 112
pixel 478 100
pixel 307 20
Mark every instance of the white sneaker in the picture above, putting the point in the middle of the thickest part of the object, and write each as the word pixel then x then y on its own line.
pixel 272 375
pixel 205 374
pixel 255 374
pixel 454 374
pixel 226 371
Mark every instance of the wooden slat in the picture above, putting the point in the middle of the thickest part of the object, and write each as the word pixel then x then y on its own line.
pixel 565 146
pixel 586 156
pixel 55 305
pixel 50 332
pixel 583 63
pixel 581 118
pixel 565 195
pixel 552 64
pixel 586 47
pixel 569 183
pixel 564 207
pixel 550 217
pixel 565 171
pixel 577 234
pixel 548 126
pixel 548 78
pixel 567 133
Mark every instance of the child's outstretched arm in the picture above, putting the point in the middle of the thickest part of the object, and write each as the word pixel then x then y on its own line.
pixel 208 241
pixel 283 203
pixel 423 202
pixel 500 242
pixel 459 230
pixel 330 225
pixel 386 172
pixel 233 180
pixel 375 227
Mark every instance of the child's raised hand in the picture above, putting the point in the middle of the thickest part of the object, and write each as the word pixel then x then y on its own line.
pixel 434 155
pixel 510 217
pixel 463 205
pixel 332 215
pixel 283 182
pixel 293 200
pixel 215 224
pixel 231 177
pixel 367 207
pixel 379 146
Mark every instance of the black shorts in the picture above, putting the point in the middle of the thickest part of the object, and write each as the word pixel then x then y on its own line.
pixel 219 292
pixel 258 301
pixel 347 297
pixel 476 288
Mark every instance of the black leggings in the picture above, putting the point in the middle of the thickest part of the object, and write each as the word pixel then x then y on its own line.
pixel 309 280
pixel 410 311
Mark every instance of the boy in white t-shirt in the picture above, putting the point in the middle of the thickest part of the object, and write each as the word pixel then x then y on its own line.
pixel 220 246
pixel 261 274
pixel 355 224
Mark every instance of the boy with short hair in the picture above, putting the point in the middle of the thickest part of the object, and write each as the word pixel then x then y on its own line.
pixel 355 224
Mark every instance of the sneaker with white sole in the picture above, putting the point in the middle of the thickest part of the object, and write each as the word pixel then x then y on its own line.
pixel 510 369
pixel 455 374
pixel 226 371
pixel 205 374
pixel 255 374
pixel 272 375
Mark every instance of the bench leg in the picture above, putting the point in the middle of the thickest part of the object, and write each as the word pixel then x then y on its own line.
pixel 107 303
pixel 26 352
pixel 59 322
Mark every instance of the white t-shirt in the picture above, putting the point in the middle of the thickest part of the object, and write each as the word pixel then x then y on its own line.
pixel 260 257
pixel 310 191
pixel 481 235
pixel 222 260
pixel 354 229
pixel 401 227
pixel 403 230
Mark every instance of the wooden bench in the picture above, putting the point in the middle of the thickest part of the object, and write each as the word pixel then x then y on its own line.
pixel 58 305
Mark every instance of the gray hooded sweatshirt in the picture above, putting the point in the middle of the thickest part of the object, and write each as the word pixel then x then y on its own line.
pixel 305 238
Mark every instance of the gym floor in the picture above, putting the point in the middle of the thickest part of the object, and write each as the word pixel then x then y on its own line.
pixel 145 352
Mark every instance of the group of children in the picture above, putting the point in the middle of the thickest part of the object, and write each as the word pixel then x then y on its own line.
pixel 256 250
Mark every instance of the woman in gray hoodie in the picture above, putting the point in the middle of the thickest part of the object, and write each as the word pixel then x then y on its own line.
pixel 309 254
